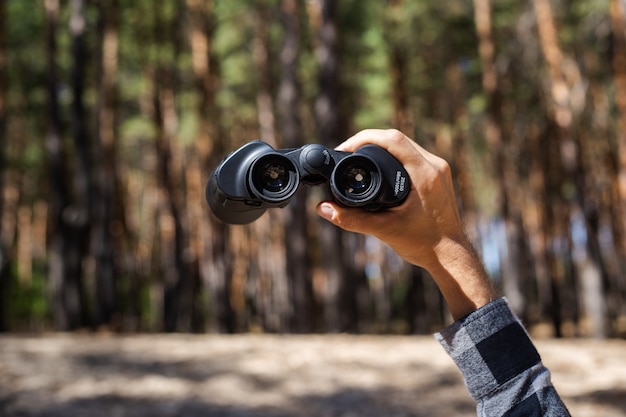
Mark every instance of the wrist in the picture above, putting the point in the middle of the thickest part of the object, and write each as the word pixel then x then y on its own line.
pixel 460 275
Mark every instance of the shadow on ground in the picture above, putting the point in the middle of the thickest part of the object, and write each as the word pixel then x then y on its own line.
pixel 345 403
pixel 269 376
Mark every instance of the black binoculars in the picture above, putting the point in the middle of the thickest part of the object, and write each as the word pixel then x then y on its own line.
pixel 256 177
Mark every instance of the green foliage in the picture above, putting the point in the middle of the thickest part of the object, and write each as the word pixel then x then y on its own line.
pixel 137 128
pixel 365 69
pixel 28 301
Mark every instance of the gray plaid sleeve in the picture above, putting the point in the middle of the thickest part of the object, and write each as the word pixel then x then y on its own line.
pixel 501 367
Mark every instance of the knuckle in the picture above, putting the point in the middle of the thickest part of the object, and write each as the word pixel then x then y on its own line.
pixel 394 136
pixel 444 168
pixel 440 165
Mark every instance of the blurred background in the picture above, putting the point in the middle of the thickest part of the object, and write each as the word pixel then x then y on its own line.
pixel 113 113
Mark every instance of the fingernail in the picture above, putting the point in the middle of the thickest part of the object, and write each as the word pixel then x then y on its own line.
pixel 327 211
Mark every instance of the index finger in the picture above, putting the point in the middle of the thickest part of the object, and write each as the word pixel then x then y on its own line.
pixel 394 141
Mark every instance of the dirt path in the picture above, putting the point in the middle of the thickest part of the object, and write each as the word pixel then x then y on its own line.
pixel 275 376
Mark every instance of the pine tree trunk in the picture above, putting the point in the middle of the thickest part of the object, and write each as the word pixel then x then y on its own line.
pixel 210 237
pixel 262 59
pixel 615 292
pixel 65 295
pixel 296 241
pixel 567 170
pixel 340 283
pixel 178 282
pixel 503 170
pixel 80 220
pixel 106 178
pixel 618 24
pixel 401 116
pixel 4 276
pixel 172 231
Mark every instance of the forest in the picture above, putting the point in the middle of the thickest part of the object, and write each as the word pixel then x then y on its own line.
pixel 114 112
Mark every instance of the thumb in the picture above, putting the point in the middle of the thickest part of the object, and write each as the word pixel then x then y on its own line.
pixel 350 219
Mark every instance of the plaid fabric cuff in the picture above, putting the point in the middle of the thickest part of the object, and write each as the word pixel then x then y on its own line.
pixel 490 347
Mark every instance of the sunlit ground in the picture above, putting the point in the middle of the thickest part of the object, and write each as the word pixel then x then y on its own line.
pixel 275 376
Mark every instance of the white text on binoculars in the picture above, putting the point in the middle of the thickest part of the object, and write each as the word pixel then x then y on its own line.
pixel 400 182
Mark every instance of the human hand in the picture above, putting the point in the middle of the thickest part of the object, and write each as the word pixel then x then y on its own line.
pixel 426 230
pixel 428 217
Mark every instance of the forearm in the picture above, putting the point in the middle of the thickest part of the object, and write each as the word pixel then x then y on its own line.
pixel 460 276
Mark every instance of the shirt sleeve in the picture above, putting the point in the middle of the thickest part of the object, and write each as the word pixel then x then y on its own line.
pixel 500 365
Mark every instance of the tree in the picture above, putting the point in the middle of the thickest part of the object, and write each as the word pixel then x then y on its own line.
pixel 564 209
pixel 106 182
pixel 399 58
pixel 618 25
pixel 212 241
pixel 298 265
pixel 179 278
pixel 4 276
pixel 79 222
pixel 66 285
pixel 340 284
pixel 502 168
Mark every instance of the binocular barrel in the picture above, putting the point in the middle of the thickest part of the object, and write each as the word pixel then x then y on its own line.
pixel 257 177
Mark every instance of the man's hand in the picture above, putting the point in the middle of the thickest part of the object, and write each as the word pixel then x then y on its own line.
pixel 426 230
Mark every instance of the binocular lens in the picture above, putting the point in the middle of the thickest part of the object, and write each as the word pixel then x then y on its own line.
pixel 273 178
pixel 355 181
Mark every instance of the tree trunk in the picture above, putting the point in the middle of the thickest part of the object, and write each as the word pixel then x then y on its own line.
pixel 262 60
pixel 298 264
pixel 178 280
pixel 618 24
pixel 80 220
pixel 66 294
pixel 272 298
pixel 4 275
pixel 567 171
pixel 105 221
pixel 211 236
pixel 503 170
pixel 172 229
pixel 616 292
pixel 401 116
pixel 340 285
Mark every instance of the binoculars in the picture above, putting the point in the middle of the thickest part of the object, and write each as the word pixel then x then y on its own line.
pixel 256 177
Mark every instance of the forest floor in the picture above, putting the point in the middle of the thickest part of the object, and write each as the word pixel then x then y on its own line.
pixel 275 376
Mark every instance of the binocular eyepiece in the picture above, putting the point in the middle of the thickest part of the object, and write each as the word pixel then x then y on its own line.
pixel 257 177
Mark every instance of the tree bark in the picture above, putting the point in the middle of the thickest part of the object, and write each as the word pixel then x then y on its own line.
pixel 80 220
pixel 616 292
pixel 211 243
pixel 618 25
pixel 172 228
pixel 503 170
pixel 566 169
pixel 298 264
pixel 4 276
pixel 178 280
pixel 340 283
pixel 401 116
pixel 262 60
pixel 106 182
pixel 65 289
